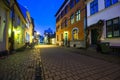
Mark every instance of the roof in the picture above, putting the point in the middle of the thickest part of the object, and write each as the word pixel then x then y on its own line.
pixel 61 7
pixel 19 9
pixel 23 9
pixel 49 30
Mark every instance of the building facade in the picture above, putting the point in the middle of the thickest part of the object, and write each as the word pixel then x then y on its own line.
pixel 103 21
pixel 14 24
pixel 70 24
pixel 4 21
pixel 17 28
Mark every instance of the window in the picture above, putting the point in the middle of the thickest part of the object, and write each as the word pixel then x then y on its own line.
pixel 116 27
pixel 62 13
pixel 113 28
pixel 94 7
pixel 57 38
pixel 72 19
pixel 109 28
pixel 18 20
pixel 58 18
pixel 62 25
pixel 78 15
pixel 66 9
pixel 1 30
pixel 71 4
pixel 77 1
pixel 65 22
pixel 110 2
pixel 61 37
pixel 75 34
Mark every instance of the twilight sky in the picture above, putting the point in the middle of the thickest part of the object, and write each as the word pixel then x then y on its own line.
pixel 43 12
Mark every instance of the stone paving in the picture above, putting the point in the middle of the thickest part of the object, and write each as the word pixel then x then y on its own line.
pixel 21 66
pixel 60 64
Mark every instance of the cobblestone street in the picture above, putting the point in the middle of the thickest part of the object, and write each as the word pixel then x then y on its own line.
pixel 21 66
pixel 56 63
pixel 59 64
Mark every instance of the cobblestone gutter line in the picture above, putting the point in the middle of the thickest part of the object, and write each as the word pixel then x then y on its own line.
pixel 42 68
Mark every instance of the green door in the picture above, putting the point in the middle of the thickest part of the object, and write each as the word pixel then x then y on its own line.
pixel 65 38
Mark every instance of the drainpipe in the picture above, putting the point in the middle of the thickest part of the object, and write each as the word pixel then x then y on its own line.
pixel 85 23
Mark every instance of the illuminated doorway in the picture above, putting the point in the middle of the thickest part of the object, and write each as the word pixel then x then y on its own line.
pixel 65 38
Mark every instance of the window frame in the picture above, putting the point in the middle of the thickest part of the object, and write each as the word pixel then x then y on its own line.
pixel 72 19
pixel 75 34
pixel 78 15
pixel 93 7
pixel 112 24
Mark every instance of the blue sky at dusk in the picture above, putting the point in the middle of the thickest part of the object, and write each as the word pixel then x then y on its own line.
pixel 43 12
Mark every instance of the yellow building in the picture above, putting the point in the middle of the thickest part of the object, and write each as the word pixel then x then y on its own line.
pixel 14 26
pixel 29 28
pixel 70 19
pixel 17 27
pixel 4 21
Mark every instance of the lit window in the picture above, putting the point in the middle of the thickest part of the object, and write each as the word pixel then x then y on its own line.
pixel 78 15
pixel 113 28
pixel 72 19
pixel 75 34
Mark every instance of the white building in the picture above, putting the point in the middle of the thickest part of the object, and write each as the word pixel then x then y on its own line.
pixel 103 21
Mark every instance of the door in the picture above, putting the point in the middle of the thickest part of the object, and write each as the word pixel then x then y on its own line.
pixel 94 36
pixel 65 38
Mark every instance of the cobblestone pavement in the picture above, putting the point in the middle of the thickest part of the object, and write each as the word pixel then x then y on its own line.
pixel 21 66
pixel 60 64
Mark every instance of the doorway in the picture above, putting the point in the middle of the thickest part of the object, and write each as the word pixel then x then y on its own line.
pixel 94 36
pixel 65 38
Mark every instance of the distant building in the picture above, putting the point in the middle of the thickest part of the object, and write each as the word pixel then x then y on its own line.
pixel 103 18
pixel 41 39
pixel 47 35
pixel 36 38
pixel 53 39
pixel 70 23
